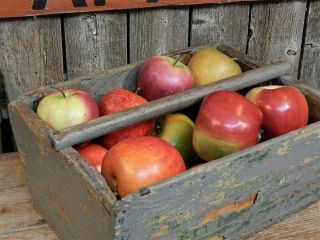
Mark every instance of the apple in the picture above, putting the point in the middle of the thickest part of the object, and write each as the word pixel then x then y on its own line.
pixel 93 154
pixel 68 107
pixel 161 76
pixel 81 145
pixel 209 65
pixel 226 123
pixel 139 162
pixel 284 109
pixel 177 129
pixel 118 100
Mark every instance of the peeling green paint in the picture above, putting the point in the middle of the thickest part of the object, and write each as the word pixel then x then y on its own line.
pixel 188 183
pixel 225 184
pixel 201 232
pixel 309 160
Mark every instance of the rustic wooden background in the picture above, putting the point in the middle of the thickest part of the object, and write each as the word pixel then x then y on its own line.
pixel 44 50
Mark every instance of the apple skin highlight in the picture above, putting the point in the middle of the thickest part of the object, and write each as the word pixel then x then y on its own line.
pixel 161 76
pixel 284 109
pixel 139 162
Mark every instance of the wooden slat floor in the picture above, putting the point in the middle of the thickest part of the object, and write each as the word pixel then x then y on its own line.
pixel 19 220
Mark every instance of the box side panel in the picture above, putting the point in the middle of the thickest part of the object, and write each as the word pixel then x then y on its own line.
pixel 231 197
pixel 72 207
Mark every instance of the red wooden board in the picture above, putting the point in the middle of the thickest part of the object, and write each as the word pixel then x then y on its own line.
pixel 20 8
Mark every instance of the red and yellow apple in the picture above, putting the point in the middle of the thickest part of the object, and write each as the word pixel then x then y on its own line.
pixel 284 109
pixel 118 100
pixel 161 76
pixel 226 123
pixel 67 107
pixel 177 129
pixel 139 162
pixel 93 154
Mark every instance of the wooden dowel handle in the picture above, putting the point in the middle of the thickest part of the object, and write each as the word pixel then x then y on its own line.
pixel 109 123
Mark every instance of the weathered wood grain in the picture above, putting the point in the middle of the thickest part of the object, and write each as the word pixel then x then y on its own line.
pixel 1 148
pixel 16 210
pixel 95 42
pixel 310 70
pixel 276 32
pixel 157 108
pixel 3 106
pixel 157 31
pixel 303 225
pixel 31 54
pixel 43 232
pixel 224 24
pixel 12 173
pixel 18 218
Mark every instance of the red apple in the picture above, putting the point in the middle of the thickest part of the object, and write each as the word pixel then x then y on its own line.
pixel 284 109
pixel 226 123
pixel 118 100
pixel 93 154
pixel 139 162
pixel 161 76
pixel 81 145
pixel 68 107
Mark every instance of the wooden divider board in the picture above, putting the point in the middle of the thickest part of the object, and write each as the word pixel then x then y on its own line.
pixel 225 24
pixel 310 65
pixel 276 32
pixel 18 8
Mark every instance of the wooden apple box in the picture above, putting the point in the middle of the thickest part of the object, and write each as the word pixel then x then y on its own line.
pixel 229 198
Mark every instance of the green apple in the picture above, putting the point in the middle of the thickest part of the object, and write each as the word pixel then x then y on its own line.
pixel 68 107
pixel 177 129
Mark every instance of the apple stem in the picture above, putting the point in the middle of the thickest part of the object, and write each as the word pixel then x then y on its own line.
pixel 60 90
pixel 178 60
pixel 138 91
pixel 259 136
pixel 157 129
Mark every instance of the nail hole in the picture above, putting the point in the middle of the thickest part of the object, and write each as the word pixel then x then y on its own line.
pixel 144 191
pixel 255 197
pixel 291 52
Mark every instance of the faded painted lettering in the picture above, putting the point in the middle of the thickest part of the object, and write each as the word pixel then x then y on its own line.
pixel 41 4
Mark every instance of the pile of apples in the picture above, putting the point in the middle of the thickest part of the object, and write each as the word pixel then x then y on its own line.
pixel 148 152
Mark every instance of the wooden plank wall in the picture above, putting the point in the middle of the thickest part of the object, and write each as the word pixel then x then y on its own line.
pixel 43 50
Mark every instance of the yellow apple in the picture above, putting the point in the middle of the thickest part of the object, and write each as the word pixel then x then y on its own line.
pixel 209 65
